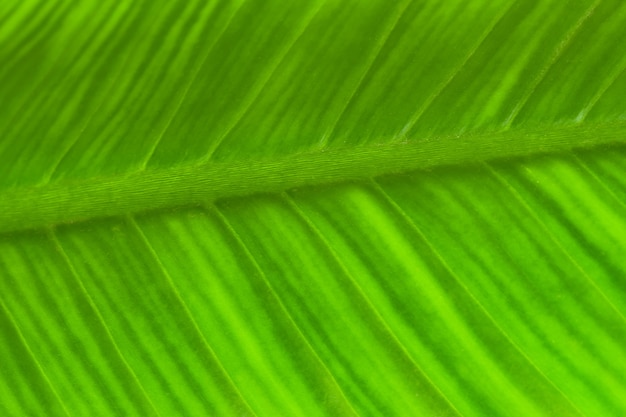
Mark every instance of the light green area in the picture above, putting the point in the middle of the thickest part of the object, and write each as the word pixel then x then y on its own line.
pixel 313 208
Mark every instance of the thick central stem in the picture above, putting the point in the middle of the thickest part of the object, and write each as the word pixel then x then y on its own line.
pixel 66 202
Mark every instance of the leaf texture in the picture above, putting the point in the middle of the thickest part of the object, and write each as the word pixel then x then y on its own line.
pixel 317 208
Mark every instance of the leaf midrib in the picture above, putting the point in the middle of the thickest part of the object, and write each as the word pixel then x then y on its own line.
pixel 71 201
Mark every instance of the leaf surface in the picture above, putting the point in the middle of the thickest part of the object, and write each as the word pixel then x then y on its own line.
pixel 323 208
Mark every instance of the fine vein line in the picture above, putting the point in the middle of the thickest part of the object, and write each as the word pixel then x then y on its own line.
pixel 599 180
pixel 170 281
pixel 380 47
pixel 187 88
pixel 554 238
pixel 33 357
pixel 606 85
pixel 555 57
pixel 73 141
pixel 259 89
pixel 426 105
pixel 294 206
pixel 244 248
pixel 440 258
pixel 59 247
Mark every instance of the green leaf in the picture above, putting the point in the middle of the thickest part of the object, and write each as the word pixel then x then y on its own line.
pixel 315 208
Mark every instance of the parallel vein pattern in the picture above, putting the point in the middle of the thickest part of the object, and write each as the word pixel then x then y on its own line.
pixel 314 208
